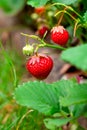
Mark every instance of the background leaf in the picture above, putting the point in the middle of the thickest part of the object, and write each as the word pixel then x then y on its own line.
pixel 77 56
pixel 12 6
pixel 85 18
pixel 53 123
pixel 37 3
pixel 67 2
pixel 79 109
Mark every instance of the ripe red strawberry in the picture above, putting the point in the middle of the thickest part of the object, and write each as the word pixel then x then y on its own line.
pixel 43 30
pixel 39 66
pixel 59 35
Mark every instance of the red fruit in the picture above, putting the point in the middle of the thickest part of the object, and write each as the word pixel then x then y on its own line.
pixel 43 30
pixel 40 10
pixel 59 35
pixel 39 66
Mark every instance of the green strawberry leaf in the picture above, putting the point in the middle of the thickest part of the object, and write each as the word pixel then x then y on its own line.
pixel 67 2
pixel 79 110
pixel 85 19
pixel 53 123
pixel 70 89
pixel 63 87
pixel 51 98
pixel 80 128
pixel 77 56
pixel 76 95
pixel 12 6
pixel 39 96
pixel 85 16
pixel 43 97
pixel 37 3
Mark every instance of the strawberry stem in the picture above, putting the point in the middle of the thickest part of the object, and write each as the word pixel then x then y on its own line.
pixel 75 28
pixel 26 40
pixel 44 35
pixel 61 17
pixel 42 43
pixel 20 121
pixel 64 11
pixel 68 7
pixel 32 36
pixel 54 46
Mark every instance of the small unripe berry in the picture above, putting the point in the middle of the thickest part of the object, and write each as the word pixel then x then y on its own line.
pixel 28 50
pixel 34 16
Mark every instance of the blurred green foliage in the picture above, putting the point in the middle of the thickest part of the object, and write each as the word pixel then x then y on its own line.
pixel 12 7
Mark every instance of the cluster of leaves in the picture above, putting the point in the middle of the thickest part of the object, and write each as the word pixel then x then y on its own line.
pixel 63 100
pixel 43 2
pixel 14 7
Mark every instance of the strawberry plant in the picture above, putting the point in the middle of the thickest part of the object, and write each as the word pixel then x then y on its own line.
pixel 12 7
pixel 64 101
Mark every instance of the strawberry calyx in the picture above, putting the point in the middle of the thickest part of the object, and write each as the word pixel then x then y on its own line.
pixel 58 29
pixel 36 58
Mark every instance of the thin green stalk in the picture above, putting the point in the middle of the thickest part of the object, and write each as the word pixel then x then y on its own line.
pixel 61 17
pixel 42 43
pixel 54 46
pixel 68 7
pixel 76 12
pixel 56 4
pixel 51 45
pixel 10 63
pixel 31 36
pixel 19 123
pixel 64 11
